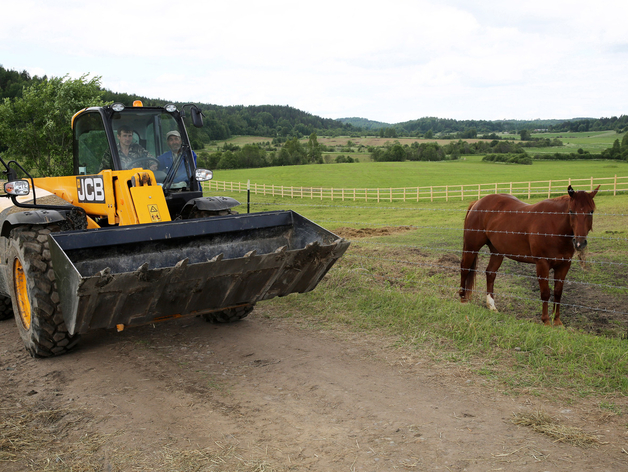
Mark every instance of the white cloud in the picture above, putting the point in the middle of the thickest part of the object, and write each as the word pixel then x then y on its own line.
pixel 392 62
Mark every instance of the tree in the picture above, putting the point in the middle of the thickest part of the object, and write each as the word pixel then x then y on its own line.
pixel 314 153
pixel 525 135
pixel 36 127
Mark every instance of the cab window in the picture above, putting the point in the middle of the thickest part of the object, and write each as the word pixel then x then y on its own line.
pixel 91 149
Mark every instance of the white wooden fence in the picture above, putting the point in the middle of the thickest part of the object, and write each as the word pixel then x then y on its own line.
pixel 527 189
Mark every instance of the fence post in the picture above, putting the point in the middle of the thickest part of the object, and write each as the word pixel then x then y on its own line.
pixel 321 193
pixel 377 194
pixel 479 191
pixel 529 189
pixel 431 194
pixel 418 191
pixel 446 193
pixel 462 192
pixel 615 186
pixel 510 188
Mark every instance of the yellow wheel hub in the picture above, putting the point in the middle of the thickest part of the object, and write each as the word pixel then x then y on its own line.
pixel 21 292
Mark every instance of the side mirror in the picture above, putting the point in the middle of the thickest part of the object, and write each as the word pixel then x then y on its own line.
pixel 197 117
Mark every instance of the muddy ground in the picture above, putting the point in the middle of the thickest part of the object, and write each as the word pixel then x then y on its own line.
pixel 276 394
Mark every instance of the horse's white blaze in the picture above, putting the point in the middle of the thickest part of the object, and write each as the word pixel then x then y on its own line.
pixel 490 302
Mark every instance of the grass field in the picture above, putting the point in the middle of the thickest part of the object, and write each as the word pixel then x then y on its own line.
pixel 469 170
pixel 401 275
pixel 592 141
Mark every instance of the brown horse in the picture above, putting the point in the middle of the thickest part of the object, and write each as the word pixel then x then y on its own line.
pixel 547 234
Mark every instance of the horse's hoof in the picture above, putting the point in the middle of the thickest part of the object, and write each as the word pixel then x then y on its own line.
pixel 558 324
pixel 490 303
pixel 547 323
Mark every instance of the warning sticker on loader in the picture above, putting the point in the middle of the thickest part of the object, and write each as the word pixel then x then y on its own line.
pixel 153 210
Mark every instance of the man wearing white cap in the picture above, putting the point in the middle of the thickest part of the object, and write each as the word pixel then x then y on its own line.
pixel 172 157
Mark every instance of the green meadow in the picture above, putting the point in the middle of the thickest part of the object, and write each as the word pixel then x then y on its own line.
pixel 468 170
pixel 399 278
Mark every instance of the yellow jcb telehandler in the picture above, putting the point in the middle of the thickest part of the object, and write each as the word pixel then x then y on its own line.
pixel 129 238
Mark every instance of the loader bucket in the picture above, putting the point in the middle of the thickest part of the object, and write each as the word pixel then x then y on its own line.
pixel 133 275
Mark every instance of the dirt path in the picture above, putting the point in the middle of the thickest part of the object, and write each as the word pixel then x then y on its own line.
pixel 265 394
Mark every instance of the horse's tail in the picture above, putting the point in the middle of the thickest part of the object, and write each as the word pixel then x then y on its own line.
pixel 468 263
pixel 468 211
pixel 468 276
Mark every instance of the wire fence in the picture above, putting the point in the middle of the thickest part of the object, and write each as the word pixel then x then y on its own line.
pixel 526 190
pixel 596 297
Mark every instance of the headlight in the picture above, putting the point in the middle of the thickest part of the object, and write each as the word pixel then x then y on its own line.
pixel 117 106
pixel 17 187
pixel 203 174
pixel 171 107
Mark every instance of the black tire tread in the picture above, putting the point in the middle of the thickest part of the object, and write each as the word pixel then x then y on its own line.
pixel 47 335
pixel 230 315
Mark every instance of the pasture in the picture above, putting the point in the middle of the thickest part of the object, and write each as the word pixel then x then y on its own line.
pixel 401 275
pixel 592 141
pixel 468 170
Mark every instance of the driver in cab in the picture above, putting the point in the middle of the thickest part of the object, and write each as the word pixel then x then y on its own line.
pixel 173 157
pixel 129 151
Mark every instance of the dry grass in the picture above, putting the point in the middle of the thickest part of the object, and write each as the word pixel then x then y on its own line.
pixel 44 438
pixel 543 423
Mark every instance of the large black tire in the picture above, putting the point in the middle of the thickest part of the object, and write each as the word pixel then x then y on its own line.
pixel 196 213
pixel 6 308
pixel 34 293
pixel 230 315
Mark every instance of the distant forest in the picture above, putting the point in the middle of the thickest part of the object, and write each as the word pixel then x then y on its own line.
pixel 283 122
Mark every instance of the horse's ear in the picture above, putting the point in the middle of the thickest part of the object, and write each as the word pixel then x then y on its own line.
pixel 592 194
pixel 571 191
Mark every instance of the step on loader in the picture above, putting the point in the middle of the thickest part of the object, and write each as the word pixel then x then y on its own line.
pixel 130 239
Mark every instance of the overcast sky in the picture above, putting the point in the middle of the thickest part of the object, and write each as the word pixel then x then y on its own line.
pixel 388 61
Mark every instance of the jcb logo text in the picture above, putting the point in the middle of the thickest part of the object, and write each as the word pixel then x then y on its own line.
pixel 90 189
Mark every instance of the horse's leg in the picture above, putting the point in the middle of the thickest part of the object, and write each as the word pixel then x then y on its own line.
pixel 542 273
pixel 491 272
pixel 468 264
pixel 560 273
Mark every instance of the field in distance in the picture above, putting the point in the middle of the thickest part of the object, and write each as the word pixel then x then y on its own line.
pixel 592 141
pixel 468 170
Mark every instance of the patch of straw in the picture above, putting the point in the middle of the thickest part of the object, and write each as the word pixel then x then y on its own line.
pixel 543 423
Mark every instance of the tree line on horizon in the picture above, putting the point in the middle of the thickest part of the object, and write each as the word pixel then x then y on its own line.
pixel 283 121
pixel 35 115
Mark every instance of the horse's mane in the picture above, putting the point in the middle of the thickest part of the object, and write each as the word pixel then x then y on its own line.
pixel 567 197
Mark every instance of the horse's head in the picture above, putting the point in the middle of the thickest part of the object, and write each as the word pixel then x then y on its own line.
pixel 581 207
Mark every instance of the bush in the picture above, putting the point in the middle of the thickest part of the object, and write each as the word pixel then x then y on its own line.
pixel 509 158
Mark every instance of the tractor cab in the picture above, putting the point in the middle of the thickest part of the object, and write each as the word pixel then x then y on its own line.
pixel 119 137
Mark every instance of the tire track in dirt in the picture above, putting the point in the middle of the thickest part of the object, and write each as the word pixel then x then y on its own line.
pixel 292 398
